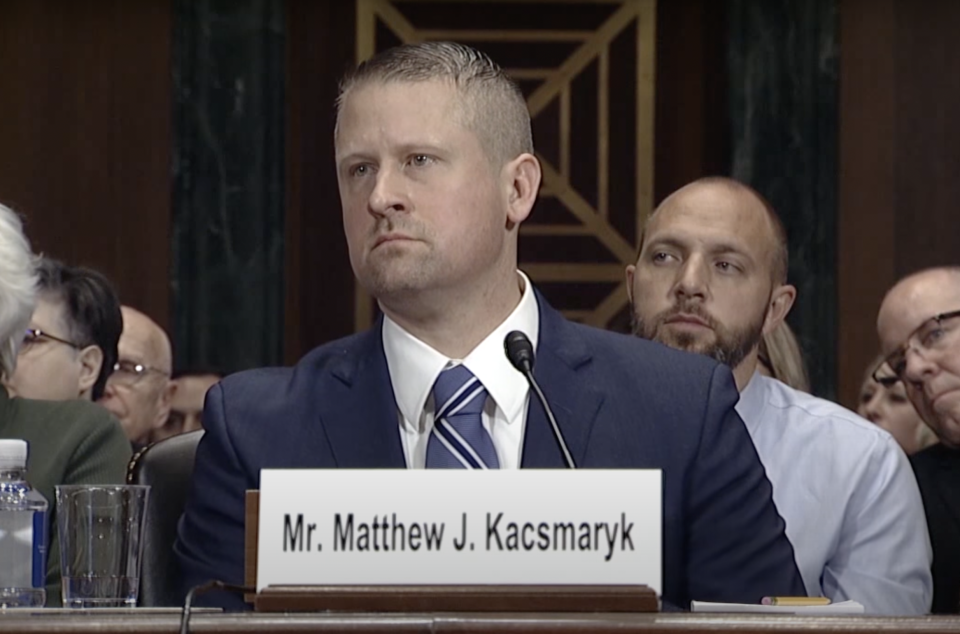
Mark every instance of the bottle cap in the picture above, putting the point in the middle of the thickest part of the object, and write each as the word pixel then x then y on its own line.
pixel 13 454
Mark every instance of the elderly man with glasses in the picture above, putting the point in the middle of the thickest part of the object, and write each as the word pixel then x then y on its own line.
pixel 139 391
pixel 919 328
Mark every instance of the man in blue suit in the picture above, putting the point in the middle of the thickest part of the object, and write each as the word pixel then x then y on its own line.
pixel 436 172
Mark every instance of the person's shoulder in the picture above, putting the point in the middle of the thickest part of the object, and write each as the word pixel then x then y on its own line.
pixel 266 383
pixel 634 349
pixel 631 372
pixel 630 351
pixel 75 413
pixel 75 429
pixel 823 415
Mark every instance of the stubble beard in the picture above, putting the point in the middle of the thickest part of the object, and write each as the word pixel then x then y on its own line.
pixel 396 269
pixel 727 346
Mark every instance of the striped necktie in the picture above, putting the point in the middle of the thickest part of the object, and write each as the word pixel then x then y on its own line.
pixel 458 439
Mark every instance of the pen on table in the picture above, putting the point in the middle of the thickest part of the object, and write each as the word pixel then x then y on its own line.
pixel 796 601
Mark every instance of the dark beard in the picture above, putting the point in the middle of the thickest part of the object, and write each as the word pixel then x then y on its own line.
pixel 730 347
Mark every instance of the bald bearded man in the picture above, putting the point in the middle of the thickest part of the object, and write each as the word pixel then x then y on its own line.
pixel 711 278
pixel 139 391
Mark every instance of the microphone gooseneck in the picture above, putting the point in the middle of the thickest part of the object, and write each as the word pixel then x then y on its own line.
pixel 520 353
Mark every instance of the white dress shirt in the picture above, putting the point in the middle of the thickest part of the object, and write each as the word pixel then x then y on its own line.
pixel 848 496
pixel 414 367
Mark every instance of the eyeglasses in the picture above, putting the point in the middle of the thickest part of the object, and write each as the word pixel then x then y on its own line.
pixel 130 372
pixel 935 334
pixel 884 376
pixel 33 336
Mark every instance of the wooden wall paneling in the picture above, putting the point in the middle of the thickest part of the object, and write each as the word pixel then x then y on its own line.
pixel 85 136
pixel 692 130
pixel 899 160
pixel 319 280
pixel 866 263
pixel 927 132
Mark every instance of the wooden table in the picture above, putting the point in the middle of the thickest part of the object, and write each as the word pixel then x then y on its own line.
pixel 146 621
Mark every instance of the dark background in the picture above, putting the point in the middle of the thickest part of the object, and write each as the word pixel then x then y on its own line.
pixel 184 148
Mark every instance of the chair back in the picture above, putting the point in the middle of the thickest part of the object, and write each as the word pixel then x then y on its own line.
pixel 167 466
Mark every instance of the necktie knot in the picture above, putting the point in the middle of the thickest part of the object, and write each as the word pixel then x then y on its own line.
pixel 458 391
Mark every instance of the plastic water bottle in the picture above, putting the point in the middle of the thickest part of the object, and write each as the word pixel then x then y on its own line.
pixel 23 531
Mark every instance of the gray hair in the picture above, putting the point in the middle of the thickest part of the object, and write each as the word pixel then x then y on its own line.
pixel 493 105
pixel 18 283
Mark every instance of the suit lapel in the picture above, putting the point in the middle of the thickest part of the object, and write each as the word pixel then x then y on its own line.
pixel 359 415
pixel 561 369
pixel 359 411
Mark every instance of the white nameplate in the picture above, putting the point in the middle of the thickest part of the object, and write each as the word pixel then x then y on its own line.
pixel 461 527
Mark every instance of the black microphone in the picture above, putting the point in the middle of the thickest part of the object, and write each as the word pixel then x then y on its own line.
pixel 520 352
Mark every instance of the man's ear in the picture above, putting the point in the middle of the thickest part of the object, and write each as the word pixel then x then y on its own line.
pixel 163 406
pixel 781 301
pixel 522 176
pixel 91 360
pixel 631 271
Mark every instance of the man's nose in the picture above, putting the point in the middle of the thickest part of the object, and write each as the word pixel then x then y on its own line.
pixel 109 391
pixel 919 368
pixel 692 279
pixel 389 193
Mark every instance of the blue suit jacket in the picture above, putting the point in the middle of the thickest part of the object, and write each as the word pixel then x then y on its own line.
pixel 620 401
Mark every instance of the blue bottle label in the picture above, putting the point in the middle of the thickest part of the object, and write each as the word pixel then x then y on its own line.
pixel 39 549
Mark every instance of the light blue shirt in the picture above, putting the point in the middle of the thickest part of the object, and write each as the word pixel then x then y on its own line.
pixel 848 496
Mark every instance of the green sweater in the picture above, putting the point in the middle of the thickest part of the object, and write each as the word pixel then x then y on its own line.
pixel 71 442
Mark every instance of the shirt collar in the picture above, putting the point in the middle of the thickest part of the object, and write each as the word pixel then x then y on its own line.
pixel 752 401
pixel 414 365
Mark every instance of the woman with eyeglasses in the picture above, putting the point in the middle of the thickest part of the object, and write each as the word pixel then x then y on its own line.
pixel 883 401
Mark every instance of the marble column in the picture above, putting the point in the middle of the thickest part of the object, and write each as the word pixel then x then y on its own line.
pixel 228 67
pixel 783 62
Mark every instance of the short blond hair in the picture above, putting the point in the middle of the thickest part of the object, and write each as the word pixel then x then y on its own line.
pixel 493 105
